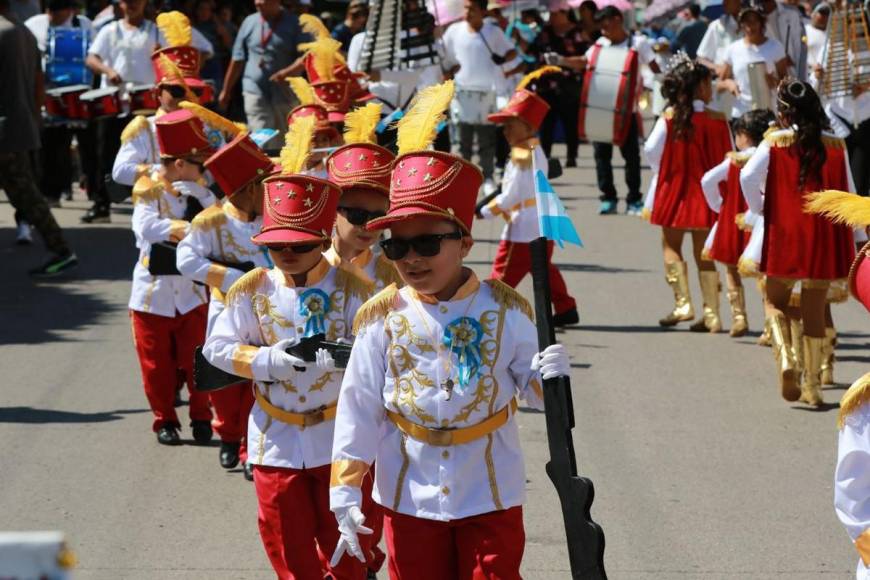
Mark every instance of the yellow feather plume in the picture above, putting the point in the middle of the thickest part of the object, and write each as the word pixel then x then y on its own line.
pixel 536 74
pixel 313 26
pixel 171 71
pixel 175 27
pixel 211 118
pixel 297 145
pixel 303 90
pixel 840 207
pixel 419 127
pixel 360 124
pixel 325 52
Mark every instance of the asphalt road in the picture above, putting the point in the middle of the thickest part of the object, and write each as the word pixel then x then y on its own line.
pixel 700 469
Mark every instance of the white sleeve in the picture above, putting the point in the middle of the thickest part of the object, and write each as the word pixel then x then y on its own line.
pixel 354 51
pixel 852 479
pixel 359 417
pixel 654 147
pixel 102 45
pixel 449 54
pixel 529 383
pixel 644 49
pixel 499 43
pixel 133 154
pixel 192 260
pixel 710 184
pixel 753 178
pixel 235 345
pixel 147 223
pixel 707 47
pixel 727 58
pixel 511 195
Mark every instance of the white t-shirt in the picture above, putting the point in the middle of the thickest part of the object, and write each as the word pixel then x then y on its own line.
pixel 39 26
pixel 466 47
pixel 739 55
pixel 815 45
pixel 719 36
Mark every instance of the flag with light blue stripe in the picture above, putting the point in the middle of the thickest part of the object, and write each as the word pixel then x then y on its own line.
pixel 552 218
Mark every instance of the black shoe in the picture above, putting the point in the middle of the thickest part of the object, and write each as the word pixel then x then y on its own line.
pixel 168 435
pixel 571 162
pixel 201 431
pixel 55 266
pixel 567 318
pixel 249 471
pixel 97 215
pixel 229 455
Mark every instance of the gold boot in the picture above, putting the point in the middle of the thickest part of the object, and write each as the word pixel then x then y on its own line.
pixel 780 336
pixel 811 387
pixel 828 356
pixel 797 344
pixel 737 300
pixel 710 290
pixel 677 276
pixel 764 337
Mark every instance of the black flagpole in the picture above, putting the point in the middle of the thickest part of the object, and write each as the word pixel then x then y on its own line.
pixel 585 537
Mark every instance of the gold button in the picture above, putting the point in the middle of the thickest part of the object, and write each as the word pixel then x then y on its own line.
pixel 443 309
pixel 301 398
pixel 445 423
pixel 445 454
pixel 445 490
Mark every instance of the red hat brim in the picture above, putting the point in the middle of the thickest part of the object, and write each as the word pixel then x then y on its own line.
pixel 408 212
pixel 500 117
pixel 285 236
pixel 336 117
pixel 192 82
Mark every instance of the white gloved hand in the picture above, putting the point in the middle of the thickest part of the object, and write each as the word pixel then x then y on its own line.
pixel 553 362
pixel 192 189
pixel 350 525
pixel 281 365
pixel 324 360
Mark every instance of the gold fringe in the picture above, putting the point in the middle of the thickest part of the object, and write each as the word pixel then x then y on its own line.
pixel 840 207
pixel 376 308
pixel 748 269
pixel 856 396
pixel 134 127
pixel 705 255
pixel 418 129
pixel 386 272
pixel 780 138
pixel 211 118
pixel 175 27
pixel 146 191
pixel 646 214
pixel 536 74
pixel 794 300
pixel 506 296
pixel 833 142
pixel 211 218
pixel 521 157
pixel 246 285
pixel 714 114
pixel 738 158
pixel 740 220
pixel 353 284
pixel 838 292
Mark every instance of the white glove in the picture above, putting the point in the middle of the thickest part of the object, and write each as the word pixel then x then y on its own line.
pixel 192 189
pixel 350 525
pixel 553 362
pixel 280 365
pixel 324 360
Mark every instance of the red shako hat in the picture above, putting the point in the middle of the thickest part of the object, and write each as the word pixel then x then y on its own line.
pixel 319 112
pixel 362 165
pixel 525 105
pixel 238 163
pixel 181 134
pixel 334 96
pixel 297 209
pixel 186 58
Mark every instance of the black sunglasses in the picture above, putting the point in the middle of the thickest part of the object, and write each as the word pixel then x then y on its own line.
pixel 174 90
pixel 427 245
pixel 358 216
pixel 295 248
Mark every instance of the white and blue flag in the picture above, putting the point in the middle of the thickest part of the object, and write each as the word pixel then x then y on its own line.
pixel 553 220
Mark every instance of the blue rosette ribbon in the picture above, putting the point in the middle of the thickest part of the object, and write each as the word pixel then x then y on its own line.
pixel 463 336
pixel 314 305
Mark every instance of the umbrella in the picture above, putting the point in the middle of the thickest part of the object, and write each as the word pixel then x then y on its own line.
pixel 621 5
pixel 661 8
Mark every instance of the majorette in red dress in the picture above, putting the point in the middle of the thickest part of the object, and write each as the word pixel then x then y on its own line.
pixel 730 241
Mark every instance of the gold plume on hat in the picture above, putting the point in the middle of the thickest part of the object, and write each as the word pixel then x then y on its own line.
pixel 325 53
pixel 536 74
pixel 360 124
pixel 297 145
pixel 840 207
pixel 419 127
pixel 171 72
pixel 313 26
pixel 302 89
pixel 175 27
pixel 211 118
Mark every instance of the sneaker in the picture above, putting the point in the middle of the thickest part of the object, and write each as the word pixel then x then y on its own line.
pixel 96 215
pixel 23 235
pixel 634 208
pixel 607 207
pixel 55 266
pixel 489 187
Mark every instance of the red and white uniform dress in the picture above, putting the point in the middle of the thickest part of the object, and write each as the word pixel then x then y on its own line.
pixel 429 397
pixel 721 186
pixel 168 312
pixel 798 245
pixel 223 234
pixel 291 424
pixel 517 205
pixel 681 163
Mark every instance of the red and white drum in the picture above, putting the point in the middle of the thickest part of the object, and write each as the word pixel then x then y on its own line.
pixel 143 99
pixel 101 103
pixel 859 277
pixel 608 96
pixel 64 103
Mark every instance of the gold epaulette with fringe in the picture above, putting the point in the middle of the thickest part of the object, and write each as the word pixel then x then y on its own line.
pixel 738 158
pixel 146 190
pixel 522 155
pixel 377 308
pixel 714 114
pixel 780 138
pixel 506 296
pixel 386 272
pixel 246 285
pixel 857 395
pixel 137 125
pixel 353 283
pixel 210 218
pixel 833 142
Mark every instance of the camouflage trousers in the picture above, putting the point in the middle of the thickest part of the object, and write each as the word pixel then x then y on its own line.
pixel 17 180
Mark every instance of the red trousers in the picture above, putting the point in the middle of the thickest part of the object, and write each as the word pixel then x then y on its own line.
pixel 298 531
pixel 513 261
pixel 165 345
pixel 484 547
pixel 231 409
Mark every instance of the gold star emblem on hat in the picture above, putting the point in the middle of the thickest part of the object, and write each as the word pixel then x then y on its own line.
pixel 427 177
pixel 363 156
pixel 307 202
pixel 431 162
pixel 309 188
pixel 412 172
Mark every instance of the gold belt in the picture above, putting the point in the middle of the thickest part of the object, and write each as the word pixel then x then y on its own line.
pixel 456 436
pixel 303 420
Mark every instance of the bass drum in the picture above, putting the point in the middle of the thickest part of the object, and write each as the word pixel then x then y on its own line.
pixel 65 53
pixel 608 95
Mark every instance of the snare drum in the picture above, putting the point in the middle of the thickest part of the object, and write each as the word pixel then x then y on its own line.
pixel 65 53
pixel 472 107
pixel 608 96
pixel 63 102
pixel 143 99
pixel 101 103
